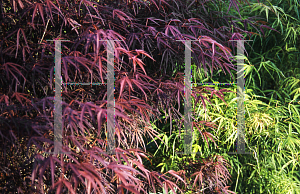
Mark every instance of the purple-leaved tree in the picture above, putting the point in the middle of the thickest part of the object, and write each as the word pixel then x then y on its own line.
pixel 145 58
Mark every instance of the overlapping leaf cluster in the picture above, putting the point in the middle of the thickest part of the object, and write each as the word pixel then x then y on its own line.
pixel 146 55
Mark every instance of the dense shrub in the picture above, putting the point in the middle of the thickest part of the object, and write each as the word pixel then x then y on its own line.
pixel 148 83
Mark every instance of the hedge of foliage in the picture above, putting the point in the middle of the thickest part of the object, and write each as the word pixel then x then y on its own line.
pixel 149 96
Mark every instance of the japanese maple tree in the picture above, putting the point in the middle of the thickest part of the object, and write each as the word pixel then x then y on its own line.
pixel 148 82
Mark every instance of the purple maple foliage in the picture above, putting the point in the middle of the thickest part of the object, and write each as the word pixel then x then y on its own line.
pixel 145 59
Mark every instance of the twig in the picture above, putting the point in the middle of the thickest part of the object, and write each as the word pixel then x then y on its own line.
pixel 45 31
